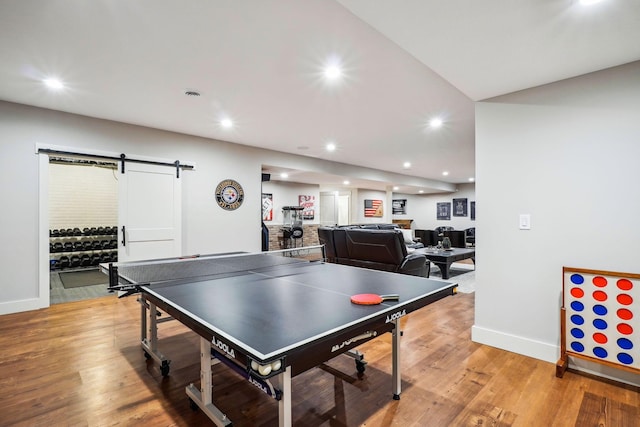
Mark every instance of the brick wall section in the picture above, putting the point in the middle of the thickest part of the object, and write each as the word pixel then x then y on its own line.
pixel 309 236
pixel 82 196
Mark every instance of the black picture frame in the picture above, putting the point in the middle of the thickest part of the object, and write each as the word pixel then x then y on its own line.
pixel 473 211
pixel 399 207
pixel 443 211
pixel 460 207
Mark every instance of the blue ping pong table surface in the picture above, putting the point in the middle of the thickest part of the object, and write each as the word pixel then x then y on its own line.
pixel 268 305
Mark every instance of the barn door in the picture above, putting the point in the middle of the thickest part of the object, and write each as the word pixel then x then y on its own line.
pixel 149 212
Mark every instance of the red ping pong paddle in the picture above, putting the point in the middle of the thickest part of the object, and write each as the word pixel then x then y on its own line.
pixel 372 299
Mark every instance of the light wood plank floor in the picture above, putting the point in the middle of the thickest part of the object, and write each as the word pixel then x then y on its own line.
pixel 80 364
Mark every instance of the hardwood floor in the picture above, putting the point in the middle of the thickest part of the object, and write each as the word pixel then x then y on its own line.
pixel 80 364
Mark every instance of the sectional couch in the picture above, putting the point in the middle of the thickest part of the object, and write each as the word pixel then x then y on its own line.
pixel 375 248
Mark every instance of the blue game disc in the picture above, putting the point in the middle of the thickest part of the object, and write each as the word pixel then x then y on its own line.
pixel 600 310
pixel 600 324
pixel 600 352
pixel 577 306
pixel 625 358
pixel 625 343
pixel 577 347
pixel 577 279
pixel 576 319
pixel 577 333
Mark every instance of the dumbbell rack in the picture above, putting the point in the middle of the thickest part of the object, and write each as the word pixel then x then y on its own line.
pixel 74 249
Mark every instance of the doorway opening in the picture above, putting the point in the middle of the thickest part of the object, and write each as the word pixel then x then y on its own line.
pixel 83 226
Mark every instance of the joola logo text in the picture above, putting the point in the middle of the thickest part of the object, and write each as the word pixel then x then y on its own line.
pixel 339 346
pixel 224 347
pixel 396 316
pixel 258 384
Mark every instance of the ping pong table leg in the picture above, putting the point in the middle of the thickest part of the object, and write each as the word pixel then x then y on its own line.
pixel 149 337
pixel 204 397
pixel 397 380
pixel 284 405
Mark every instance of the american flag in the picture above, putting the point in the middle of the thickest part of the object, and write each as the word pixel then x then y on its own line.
pixel 372 207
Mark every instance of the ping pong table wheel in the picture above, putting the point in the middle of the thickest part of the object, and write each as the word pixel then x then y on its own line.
pixel 361 366
pixel 164 368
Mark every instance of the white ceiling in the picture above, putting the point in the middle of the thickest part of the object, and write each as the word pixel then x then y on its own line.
pixel 260 62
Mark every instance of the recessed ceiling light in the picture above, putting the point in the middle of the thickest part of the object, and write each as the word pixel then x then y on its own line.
pixel 421 191
pixel 445 173
pixel 345 182
pixel 472 179
pixel 436 122
pixel 226 123
pixel 284 175
pixel 53 83
pixel 406 165
pixel 332 72
pixel 396 188
pixel 331 146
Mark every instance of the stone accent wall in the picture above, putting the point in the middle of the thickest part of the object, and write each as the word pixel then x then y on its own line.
pixel 309 236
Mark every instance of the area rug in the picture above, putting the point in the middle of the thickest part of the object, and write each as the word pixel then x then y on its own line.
pixel 76 279
pixel 462 274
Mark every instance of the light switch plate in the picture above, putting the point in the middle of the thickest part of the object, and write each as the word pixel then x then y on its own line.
pixel 525 222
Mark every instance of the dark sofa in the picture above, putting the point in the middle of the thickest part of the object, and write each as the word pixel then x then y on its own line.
pixel 371 248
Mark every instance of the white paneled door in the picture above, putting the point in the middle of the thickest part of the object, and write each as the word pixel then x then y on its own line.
pixel 149 212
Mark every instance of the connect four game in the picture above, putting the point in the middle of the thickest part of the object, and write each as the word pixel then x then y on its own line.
pixel 600 318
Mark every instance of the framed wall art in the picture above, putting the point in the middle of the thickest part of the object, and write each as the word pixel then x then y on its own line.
pixel 267 207
pixel 443 211
pixel 399 207
pixel 459 207
pixel 373 208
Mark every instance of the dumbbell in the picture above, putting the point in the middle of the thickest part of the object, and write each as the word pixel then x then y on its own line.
pixel 101 231
pixel 68 247
pixel 87 245
pixel 96 245
pixel 54 263
pixel 105 257
pixel 113 244
pixel 74 261
pixel 78 246
pixel 95 259
pixel 86 231
pixel 85 260
pixel 57 247
pixel 64 262
pixel 77 232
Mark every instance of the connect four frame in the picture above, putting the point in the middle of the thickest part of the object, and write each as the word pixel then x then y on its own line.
pixel 600 318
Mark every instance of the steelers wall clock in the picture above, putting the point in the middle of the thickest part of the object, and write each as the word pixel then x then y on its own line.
pixel 229 194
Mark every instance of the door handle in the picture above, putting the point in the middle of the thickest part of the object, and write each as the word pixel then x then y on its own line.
pixel 124 243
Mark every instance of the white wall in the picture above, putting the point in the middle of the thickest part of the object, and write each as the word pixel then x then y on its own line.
pixel 566 153
pixel 357 212
pixel 286 194
pixel 421 208
pixel 206 227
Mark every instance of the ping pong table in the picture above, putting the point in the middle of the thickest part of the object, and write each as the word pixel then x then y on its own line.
pixel 269 317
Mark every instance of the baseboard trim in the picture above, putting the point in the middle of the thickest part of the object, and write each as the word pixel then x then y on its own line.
pixel 515 344
pixel 22 305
